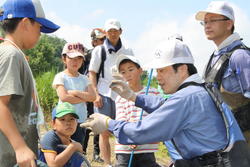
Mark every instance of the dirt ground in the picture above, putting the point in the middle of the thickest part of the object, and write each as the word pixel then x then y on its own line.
pixel 161 161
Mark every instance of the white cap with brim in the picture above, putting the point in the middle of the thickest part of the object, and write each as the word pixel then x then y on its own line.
pixel 75 54
pixel 171 52
pixel 112 24
pixel 124 57
pixel 30 9
pixel 217 7
pixel 74 49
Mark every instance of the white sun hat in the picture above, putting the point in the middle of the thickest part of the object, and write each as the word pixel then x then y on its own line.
pixel 217 7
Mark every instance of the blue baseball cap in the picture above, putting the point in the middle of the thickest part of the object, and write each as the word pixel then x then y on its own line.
pixel 27 8
pixel 63 109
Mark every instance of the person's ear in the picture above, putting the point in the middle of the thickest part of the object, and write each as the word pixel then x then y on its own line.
pixel 64 59
pixel 52 124
pixel 25 23
pixel 140 70
pixel 230 24
pixel 183 70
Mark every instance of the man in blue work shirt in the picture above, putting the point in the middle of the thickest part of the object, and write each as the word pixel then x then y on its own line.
pixel 189 117
pixel 231 72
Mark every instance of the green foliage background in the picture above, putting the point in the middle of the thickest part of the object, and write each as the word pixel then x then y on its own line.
pixel 46 55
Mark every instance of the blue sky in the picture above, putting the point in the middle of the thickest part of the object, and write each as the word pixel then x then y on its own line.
pixel 145 23
pixel 133 14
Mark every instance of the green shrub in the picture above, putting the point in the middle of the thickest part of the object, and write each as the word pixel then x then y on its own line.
pixel 47 95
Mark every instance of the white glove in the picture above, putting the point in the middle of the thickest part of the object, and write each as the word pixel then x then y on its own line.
pixel 121 87
pixel 98 123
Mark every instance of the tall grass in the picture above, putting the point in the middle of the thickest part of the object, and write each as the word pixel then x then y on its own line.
pixel 47 95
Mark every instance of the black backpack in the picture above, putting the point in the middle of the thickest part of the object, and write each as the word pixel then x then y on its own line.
pixel 85 67
pixel 101 68
pixel 214 74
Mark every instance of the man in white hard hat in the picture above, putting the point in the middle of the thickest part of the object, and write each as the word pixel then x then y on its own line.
pixel 185 117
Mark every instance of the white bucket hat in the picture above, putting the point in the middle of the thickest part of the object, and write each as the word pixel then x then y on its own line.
pixel 171 52
pixel 217 7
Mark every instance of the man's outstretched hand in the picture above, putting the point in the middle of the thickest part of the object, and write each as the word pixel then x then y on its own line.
pixel 97 123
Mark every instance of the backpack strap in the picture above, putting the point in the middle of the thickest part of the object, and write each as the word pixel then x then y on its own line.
pixel 101 68
pixel 217 99
pixel 213 74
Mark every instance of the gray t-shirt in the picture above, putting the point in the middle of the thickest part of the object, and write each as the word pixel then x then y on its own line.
pixel 16 81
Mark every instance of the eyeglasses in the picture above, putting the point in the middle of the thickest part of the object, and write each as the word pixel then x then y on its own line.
pixel 203 23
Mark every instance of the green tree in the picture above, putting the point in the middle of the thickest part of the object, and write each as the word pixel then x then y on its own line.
pixel 46 55
pixel 144 79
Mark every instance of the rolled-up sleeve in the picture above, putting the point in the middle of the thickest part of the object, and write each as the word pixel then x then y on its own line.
pixel 240 63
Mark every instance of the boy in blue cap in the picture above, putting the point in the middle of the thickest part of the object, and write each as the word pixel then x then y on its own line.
pixel 64 123
pixel 22 21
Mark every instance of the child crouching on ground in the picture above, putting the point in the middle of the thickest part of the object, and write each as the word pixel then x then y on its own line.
pixel 64 123
pixel 129 67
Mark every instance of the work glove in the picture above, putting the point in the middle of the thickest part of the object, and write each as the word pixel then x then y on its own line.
pixel 119 86
pixel 97 123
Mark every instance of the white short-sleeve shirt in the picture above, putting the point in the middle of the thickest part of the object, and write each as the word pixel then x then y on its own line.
pixel 109 63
